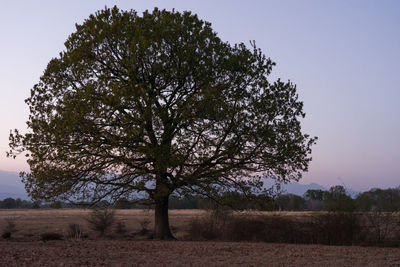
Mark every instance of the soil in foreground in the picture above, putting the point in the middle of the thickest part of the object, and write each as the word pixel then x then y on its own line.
pixel 185 253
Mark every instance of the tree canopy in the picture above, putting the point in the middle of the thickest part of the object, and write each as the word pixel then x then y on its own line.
pixel 157 103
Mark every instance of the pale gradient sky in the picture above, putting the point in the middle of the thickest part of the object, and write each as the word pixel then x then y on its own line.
pixel 343 55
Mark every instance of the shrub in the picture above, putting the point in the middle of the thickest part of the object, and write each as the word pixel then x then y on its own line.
pixel 330 228
pixel 249 228
pixel 337 228
pixel 101 220
pixel 10 228
pixel 144 226
pixel 6 235
pixel 382 228
pixel 50 236
pixel 336 199
pixel 74 231
pixel 120 228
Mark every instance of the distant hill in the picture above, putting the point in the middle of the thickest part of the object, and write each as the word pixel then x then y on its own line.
pixel 299 189
pixel 11 186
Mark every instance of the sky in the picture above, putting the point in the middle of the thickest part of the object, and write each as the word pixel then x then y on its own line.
pixel 343 56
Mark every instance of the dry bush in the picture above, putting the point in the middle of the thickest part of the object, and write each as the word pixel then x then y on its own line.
pixel 337 228
pixel 10 228
pixel 211 226
pixel 101 220
pixel 382 228
pixel 144 226
pixel 120 227
pixel 75 231
pixel 248 228
pixel 331 228
pixel 51 236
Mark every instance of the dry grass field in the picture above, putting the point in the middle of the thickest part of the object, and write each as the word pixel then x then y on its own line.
pixel 32 223
pixel 26 249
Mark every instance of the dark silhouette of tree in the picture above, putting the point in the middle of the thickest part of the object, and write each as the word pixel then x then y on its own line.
pixel 314 199
pixel 314 194
pixel 336 199
pixel 364 202
pixel 290 202
pixel 157 103
pixel 123 203
pixel 379 200
pixel 9 203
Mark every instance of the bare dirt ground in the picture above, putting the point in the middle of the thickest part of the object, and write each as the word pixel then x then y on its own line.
pixel 180 253
pixel 26 249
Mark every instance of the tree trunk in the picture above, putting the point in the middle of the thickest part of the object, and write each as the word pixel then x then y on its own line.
pixel 161 226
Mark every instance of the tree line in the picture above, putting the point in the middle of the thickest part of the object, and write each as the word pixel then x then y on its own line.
pixel 334 199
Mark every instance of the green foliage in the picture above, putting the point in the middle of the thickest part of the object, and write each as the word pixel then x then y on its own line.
pixel 157 99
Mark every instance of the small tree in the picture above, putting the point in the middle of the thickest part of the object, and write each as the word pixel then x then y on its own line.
pixel 336 199
pixel 101 220
pixel 159 104
pixel 364 202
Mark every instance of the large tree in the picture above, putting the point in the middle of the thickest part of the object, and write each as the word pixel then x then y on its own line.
pixel 157 103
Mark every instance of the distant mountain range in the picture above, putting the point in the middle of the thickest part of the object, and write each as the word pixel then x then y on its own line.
pixel 299 189
pixel 11 186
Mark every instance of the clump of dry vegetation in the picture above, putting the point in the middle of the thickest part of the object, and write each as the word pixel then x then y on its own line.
pixel 330 228
pixel 101 220
pixel 10 228
pixel 51 236
pixel 75 231
pixel 382 228
pixel 120 227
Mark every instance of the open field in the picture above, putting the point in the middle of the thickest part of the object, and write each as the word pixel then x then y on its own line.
pixel 26 249
pixel 32 223
pixel 181 253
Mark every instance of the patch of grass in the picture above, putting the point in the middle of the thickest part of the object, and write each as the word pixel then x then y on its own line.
pixel 75 231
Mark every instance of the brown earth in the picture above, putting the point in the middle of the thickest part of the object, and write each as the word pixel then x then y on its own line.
pixel 25 249
pixel 181 253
